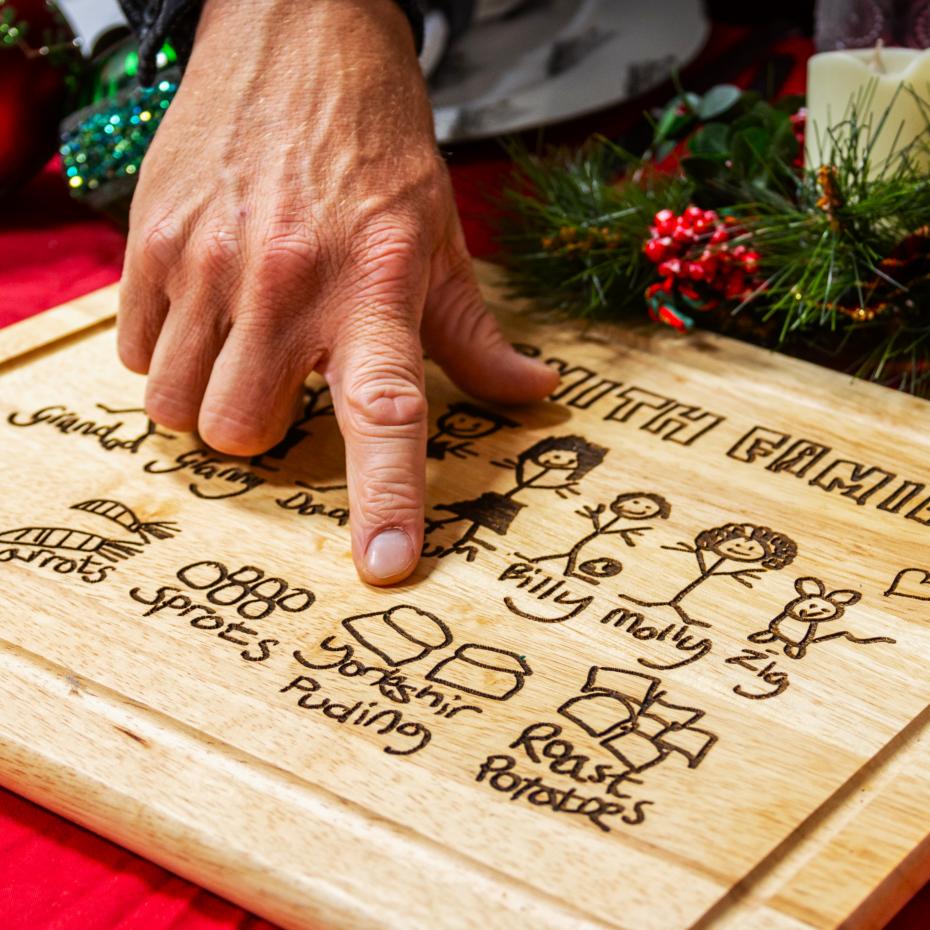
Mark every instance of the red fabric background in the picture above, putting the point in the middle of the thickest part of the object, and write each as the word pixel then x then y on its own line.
pixel 53 874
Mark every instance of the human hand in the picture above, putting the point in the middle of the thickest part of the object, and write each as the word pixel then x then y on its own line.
pixel 292 215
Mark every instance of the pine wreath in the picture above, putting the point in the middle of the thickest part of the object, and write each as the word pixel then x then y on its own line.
pixel 719 225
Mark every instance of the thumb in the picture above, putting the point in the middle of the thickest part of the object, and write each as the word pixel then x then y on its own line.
pixel 463 337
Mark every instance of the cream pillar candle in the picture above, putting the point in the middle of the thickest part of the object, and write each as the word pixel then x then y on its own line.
pixel 873 80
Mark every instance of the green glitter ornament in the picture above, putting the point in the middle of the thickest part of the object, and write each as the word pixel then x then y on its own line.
pixel 103 144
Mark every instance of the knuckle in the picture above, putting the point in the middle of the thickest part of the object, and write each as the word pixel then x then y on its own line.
pixel 216 250
pixel 288 250
pixel 135 352
pixel 159 243
pixel 134 357
pixel 389 256
pixel 390 238
pixel 387 399
pixel 169 405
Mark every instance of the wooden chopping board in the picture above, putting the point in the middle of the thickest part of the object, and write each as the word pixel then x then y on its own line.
pixel 663 666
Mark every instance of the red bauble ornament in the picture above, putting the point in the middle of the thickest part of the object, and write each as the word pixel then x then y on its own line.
pixel 37 59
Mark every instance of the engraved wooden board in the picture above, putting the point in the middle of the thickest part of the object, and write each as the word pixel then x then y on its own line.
pixel 663 666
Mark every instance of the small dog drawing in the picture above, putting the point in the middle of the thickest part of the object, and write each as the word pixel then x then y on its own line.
pixel 797 626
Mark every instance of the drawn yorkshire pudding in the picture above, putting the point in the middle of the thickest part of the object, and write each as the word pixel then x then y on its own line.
pixel 484 671
pixel 400 635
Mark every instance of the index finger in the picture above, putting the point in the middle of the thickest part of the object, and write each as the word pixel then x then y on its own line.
pixel 376 379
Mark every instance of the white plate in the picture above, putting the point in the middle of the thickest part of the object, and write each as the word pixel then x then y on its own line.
pixel 558 59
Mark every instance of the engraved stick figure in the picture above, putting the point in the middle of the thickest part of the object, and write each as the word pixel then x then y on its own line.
pixel 296 434
pixel 797 625
pixel 553 464
pixel 463 422
pixel 743 543
pixel 133 445
pixel 634 505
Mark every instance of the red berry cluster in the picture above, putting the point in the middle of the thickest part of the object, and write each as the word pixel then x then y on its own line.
pixel 698 265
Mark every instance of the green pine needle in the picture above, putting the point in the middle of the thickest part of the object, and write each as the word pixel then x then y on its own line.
pixel 844 249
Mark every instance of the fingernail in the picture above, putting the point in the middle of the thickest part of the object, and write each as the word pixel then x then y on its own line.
pixel 390 554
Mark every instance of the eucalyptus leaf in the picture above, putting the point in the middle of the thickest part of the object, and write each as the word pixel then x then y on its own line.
pixel 718 100
pixel 679 115
pixel 711 140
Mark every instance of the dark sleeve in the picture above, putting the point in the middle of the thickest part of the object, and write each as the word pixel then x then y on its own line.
pixel 155 21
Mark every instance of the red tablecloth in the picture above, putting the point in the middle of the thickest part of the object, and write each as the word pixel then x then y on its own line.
pixel 53 874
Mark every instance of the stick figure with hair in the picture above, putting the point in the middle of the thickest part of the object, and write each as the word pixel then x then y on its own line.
pixel 755 548
pixel 554 464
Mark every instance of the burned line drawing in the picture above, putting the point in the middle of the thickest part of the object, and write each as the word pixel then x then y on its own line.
pixel 70 423
pixel 89 556
pixel 797 627
pixel 632 719
pixel 554 464
pixel 459 426
pixel 399 635
pixel 756 549
pixel 122 516
pixel 403 635
pixel 316 405
pixel 913 583
pixel 625 509
pixel 482 671
pixel 78 542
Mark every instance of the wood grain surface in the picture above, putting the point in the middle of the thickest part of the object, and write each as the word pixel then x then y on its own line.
pixel 663 665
